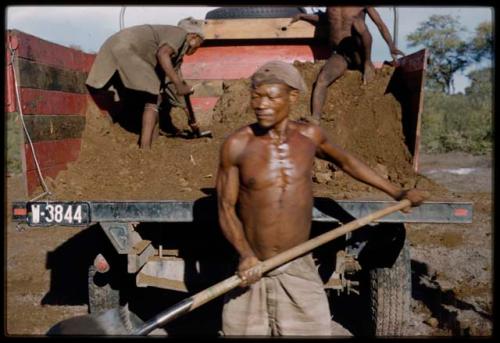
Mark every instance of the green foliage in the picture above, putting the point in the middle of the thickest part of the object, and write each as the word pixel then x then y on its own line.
pixel 448 52
pixel 481 46
pixel 13 141
pixel 460 122
pixel 480 87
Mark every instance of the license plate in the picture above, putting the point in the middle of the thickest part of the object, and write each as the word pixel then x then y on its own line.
pixel 58 213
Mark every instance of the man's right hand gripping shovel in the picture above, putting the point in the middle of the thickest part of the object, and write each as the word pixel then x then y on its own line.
pixel 249 270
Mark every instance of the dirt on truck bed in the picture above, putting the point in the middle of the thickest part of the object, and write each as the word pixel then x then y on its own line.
pixel 365 120
pixel 46 268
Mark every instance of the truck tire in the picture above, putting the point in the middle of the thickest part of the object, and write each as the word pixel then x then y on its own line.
pixel 389 297
pixel 253 12
pixel 101 296
pixel 385 280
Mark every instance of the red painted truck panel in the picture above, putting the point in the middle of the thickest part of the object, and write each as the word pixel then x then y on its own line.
pixel 45 102
pixel 45 52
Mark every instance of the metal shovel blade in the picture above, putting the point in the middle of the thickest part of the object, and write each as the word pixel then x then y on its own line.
pixel 112 322
pixel 201 134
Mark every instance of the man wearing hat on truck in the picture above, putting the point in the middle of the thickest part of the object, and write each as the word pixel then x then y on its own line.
pixel 265 201
pixel 351 44
pixel 147 59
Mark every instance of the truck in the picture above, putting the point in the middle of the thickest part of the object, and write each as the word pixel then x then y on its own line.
pixel 151 245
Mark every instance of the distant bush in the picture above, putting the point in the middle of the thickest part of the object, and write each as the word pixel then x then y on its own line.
pixel 13 142
pixel 459 122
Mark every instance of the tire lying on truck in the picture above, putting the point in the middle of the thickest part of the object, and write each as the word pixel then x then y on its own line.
pixel 253 12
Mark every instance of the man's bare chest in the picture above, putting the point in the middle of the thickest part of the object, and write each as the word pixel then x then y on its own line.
pixel 279 165
pixel 341 20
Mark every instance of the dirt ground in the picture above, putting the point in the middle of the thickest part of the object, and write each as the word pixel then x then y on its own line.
pixel 451 263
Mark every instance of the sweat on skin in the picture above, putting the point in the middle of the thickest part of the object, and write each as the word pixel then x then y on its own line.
pixel 266 168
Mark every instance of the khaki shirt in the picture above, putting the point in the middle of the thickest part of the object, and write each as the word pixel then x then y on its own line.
pixel 132 52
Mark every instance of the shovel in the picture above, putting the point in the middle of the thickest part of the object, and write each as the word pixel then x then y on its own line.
pixel 195 301
pixel 200 298
pixel 197 133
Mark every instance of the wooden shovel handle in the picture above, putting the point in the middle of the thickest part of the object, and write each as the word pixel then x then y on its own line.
pixel 288 255
pixel 200 298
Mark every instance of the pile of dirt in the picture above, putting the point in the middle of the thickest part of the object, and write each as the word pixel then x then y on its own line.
pixel 363 119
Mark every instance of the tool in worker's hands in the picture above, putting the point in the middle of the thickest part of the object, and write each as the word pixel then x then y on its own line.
pixel 195 129
pixel 102 324
pixel 202 297
pixel 193 124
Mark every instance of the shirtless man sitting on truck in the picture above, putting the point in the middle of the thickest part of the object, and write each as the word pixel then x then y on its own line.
pixel 350 42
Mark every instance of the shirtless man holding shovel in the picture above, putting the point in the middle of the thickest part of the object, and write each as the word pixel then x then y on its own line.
pixel 266 168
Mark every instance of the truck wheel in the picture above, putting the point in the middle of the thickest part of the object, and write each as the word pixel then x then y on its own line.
pixel 385 281
pixel 253 12
pixel 389 296
pixel 101 296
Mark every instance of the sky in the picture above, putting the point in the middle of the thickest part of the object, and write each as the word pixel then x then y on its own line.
pixel 87 27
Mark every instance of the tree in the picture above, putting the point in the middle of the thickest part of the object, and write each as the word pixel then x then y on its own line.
pixel 480 97
pixel 481 46
pixel 448 53
pixel 460 122
pixel 480 88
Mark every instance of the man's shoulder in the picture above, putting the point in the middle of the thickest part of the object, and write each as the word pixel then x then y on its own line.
pixel 239 136
pixel 244 131
pixel 235 144
pixel 304 125
pixel 307 129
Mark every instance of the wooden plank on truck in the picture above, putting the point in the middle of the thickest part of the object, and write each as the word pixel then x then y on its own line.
pixel 140 255
pixel 236 62
pixel 51 163
pixel 165 273
pixel 41 101
pixel 36 49
pixel 51 81
pixel 50 128
pixel 263 28
pixel 67 151
pixel 40 76
pixel 10 92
